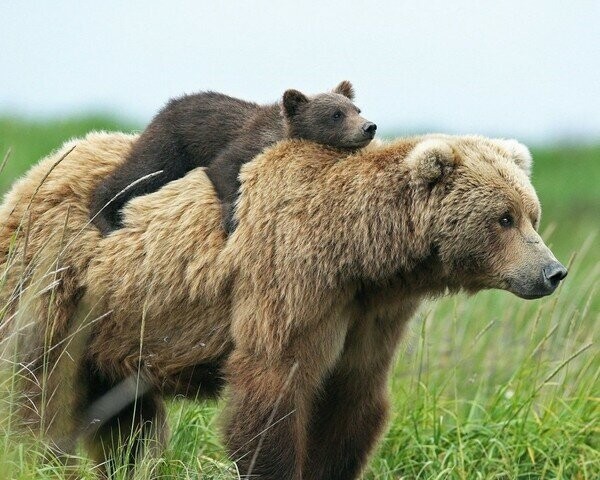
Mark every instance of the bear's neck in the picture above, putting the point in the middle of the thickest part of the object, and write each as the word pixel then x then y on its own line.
pixel 397 242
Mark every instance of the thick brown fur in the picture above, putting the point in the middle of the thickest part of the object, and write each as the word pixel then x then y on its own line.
pixel 213 130
pixel 299 311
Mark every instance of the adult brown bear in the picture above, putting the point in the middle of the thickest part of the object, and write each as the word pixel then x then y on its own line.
pixel 299 312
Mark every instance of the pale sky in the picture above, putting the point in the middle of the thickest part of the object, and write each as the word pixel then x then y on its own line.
pixel 525 69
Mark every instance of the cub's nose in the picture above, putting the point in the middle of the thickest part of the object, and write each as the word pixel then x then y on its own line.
pixel 553 274
pixel 369 129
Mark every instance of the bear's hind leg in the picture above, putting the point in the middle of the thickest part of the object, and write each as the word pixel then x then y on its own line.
pixel 121 422
pixel 137 430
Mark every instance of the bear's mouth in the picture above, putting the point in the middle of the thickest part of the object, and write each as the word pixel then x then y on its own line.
pixel 359 143
pixel 530 290
pixel 531 296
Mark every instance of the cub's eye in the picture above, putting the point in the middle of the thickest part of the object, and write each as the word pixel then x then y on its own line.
pixel 337 115
pixel 359 111
pixel 507 220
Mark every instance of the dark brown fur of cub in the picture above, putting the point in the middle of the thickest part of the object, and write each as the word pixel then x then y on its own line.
pixel 213 130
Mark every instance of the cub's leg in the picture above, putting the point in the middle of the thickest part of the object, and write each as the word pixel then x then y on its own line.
pixel 154 160
pixel 229 221
pixel 124 184
pixel 224 172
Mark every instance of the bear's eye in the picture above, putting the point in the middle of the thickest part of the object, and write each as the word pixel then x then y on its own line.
pixel 507 220
pixel 337 115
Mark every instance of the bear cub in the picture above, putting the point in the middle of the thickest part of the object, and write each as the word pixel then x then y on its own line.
pixel 213 130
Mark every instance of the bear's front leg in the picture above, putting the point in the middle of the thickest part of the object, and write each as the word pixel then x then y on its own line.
pixel 345 425
pixel 350 413
pixel 272 390
pixel 266 416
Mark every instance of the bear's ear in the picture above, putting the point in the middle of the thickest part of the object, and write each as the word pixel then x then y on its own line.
pixel 345 88
pixel 430 160
pixel 292 100
pixel 519 153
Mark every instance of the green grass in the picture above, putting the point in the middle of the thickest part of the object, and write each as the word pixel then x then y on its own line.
pixel 485 387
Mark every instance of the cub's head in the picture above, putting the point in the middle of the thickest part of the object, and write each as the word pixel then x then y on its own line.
pixel 327 118
pixel 485 229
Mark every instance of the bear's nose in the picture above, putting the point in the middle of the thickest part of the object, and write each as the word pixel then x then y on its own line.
pixel 369 128
pixel 554 273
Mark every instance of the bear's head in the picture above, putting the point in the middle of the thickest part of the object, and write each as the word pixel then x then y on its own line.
pixel 484 231
pixel 327 118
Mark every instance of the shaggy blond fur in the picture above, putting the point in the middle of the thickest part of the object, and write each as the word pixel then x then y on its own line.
pixel 300 311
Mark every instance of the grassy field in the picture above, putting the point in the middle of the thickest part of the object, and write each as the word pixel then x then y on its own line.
pixel 485 387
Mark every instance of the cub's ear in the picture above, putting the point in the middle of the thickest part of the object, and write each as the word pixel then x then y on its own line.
pixel 292 101
pixel 519 153
pixel 345 88
pixel 430 160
